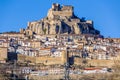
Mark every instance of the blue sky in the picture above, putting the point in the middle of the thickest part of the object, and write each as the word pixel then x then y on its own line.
pixel 14 14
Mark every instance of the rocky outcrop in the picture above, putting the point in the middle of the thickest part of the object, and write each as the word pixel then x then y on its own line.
pixel 61 20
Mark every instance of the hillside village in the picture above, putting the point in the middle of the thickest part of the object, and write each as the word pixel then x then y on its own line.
pixel 60 38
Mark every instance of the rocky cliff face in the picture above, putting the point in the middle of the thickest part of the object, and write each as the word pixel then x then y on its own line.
pixel 61 20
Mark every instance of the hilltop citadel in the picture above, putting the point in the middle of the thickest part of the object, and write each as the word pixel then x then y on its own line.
pixel 60 20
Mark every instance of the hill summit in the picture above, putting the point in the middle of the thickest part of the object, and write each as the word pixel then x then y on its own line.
pixel 60 20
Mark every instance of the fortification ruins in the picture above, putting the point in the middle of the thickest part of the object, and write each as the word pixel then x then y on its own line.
pixel 60 20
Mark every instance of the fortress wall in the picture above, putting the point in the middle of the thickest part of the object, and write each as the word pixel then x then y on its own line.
pixel 23 58
pixel 108 63
pixel 63 13
pixel 3 53
pixel 45 60
pixel 49 60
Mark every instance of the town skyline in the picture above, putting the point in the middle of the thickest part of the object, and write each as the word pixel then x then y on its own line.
pixel 16 14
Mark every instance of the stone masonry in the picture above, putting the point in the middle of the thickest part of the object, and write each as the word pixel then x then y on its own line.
pixel 60 20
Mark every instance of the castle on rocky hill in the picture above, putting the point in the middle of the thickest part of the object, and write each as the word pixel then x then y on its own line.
pixel 60 20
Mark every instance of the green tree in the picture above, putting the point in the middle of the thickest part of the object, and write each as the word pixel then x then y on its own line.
pixel 44 30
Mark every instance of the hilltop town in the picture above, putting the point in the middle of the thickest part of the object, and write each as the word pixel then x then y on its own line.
pixel 58 43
